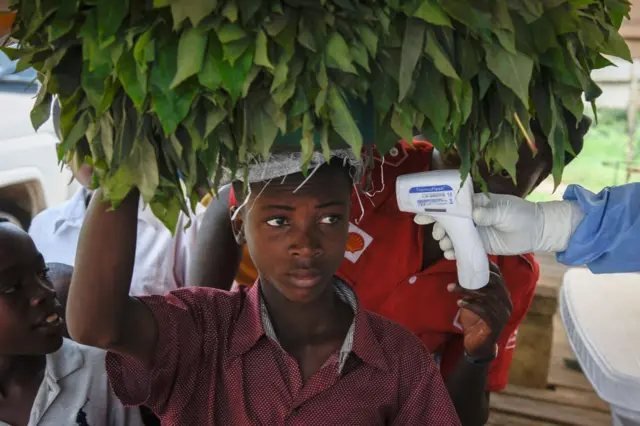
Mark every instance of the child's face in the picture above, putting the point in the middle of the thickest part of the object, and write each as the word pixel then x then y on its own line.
pixel 30 316
pixel 297 240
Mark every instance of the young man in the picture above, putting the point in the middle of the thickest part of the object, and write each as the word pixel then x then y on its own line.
pixel 46 380
pixel 161 259
pixel 295 349
pixel 398 271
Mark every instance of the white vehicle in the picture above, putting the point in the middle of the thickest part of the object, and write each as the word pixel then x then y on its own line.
pixel 30 177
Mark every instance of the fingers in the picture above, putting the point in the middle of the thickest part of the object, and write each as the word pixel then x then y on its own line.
pixel 484 217
pixel 423 219
pixel 445 243
pixel 481 200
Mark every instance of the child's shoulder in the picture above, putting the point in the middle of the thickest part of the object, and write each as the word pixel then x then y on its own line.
pixel 202 300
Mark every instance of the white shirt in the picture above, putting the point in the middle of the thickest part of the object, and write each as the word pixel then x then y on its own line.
pixel 161 262
pixel 76 388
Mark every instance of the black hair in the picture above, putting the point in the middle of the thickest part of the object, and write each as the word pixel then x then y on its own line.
pixel 59 271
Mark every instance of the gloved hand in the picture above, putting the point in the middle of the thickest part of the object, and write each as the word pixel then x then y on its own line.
pixel 509 225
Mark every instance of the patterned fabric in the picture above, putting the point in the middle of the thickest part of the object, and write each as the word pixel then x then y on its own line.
pixel 215 365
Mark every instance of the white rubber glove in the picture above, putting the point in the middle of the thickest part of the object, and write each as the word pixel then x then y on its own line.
pixel 509 225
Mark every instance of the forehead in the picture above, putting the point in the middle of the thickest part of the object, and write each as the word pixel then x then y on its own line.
pixel 325 182
pixel 16 248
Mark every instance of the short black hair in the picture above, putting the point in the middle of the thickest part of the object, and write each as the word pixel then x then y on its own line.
pixel 59 270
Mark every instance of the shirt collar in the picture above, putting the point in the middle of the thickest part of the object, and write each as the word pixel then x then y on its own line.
pixel 254 322
pixel 64 361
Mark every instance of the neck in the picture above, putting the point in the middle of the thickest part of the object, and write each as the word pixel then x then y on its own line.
pixel 302 322
pixel 19 370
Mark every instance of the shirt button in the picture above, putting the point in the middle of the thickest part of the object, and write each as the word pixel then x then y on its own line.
pixel 296 411
pixel 394 152
pixel 412 280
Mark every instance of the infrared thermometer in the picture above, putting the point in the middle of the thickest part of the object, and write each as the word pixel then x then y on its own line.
pixel 438 194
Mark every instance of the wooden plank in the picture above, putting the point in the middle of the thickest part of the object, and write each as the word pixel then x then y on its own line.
pixel 502 419
pixel 548 411
pixel 561 376
pixel 561 395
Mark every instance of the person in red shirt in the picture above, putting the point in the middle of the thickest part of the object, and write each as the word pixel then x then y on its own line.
pixel 398 271
pixel 297 348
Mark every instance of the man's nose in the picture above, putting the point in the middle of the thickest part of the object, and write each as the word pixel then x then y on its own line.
pixel 306 243
pixel 40 294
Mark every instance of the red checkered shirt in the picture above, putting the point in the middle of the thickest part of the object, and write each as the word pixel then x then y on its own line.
pixel 216 365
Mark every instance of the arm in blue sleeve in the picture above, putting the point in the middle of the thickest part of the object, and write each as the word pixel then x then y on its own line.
pixel 608 238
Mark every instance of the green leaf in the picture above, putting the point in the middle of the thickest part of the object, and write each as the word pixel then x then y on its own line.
pixel 110 16
pixel 231 32
pixel 76 133
pixel 401 125
pixel 337 54
pixel 369 38
pixel 360 56
pixel 194 10
pixel 210 75
pixel 411 50
pixel 506 151
pixel 170 105
pixel 514 71
pixel 262 52
pixel 230 11
pixel 342 120
pixel 233 77
pixel 234 50
pixel 616 46
pixel 191 49
pixel 462 11
pixel 133 79
pixel 437 55
pixel 430 96
pixel 41 109
pixel 430 11
pixel 305 36
pixel 281 71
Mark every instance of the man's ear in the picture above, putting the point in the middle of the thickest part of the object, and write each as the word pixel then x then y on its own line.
pixel 237 224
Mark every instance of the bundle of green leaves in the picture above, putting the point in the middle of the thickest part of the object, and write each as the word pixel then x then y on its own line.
pixel 161 95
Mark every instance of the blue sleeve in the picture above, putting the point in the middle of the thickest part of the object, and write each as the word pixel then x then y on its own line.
pixel 608 238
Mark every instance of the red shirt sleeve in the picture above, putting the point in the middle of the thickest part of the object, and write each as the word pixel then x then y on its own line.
pixel 182 316
pixel 423 398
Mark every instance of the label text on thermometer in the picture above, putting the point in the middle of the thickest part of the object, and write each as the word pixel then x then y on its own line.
pixel 432 195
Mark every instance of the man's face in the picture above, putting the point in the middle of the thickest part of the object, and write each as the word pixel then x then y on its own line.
pixel 297 240
pixel 30 316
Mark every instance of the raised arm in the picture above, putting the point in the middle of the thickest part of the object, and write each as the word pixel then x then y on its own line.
pixel 100 312
pixel 217 255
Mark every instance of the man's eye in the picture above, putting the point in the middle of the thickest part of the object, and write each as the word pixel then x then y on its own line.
pixel 277 222
pixel 10 289
pixel 330 220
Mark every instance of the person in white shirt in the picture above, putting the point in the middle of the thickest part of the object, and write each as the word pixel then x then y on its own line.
pixel 46 380
pixel 161 259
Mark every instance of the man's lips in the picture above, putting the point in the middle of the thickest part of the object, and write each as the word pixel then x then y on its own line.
pixel 305 277
pixel 52 319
